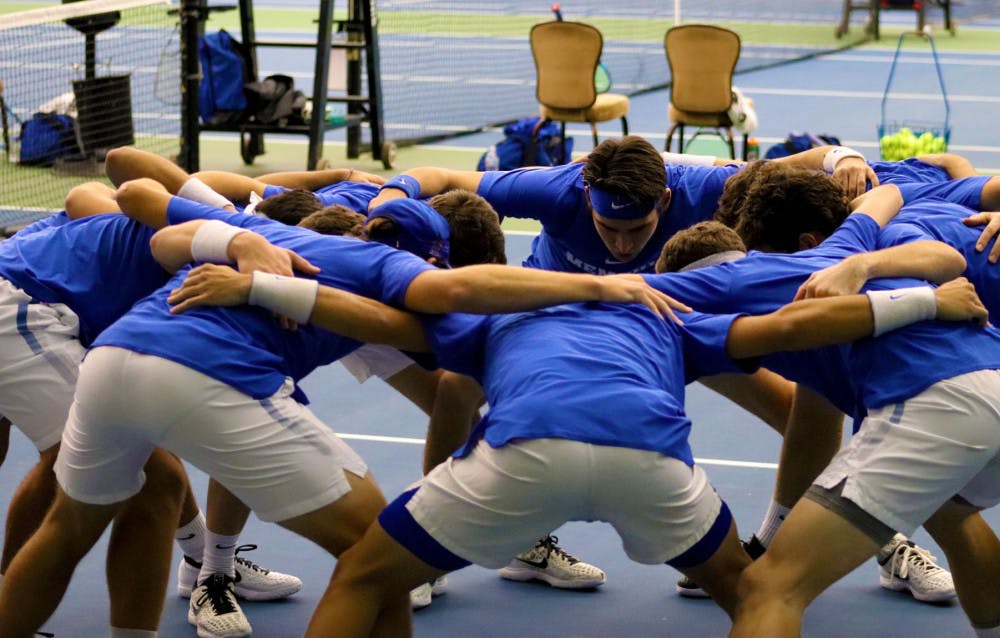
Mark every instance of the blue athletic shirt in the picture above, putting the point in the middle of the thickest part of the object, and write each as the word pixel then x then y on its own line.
pixel 354 195
pixel 966 192
pixel 55 219
pixel 936 219
pixel 98 266
pixel 598 373
pixel 908 171
pixel 568 241
pixel 761 283
pixel 244 346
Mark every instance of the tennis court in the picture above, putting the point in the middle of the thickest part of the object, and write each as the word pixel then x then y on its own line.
pixel 838 93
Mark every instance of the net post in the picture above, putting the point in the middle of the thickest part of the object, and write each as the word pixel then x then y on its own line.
pixel 193 13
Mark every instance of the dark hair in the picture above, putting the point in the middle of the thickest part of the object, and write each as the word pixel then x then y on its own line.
pixel 382 229
pixel 289 207
pixel 783 202
pixel 476 236
pixel 734 194
pixel 335 220
pixel 697 242
pixel 628 166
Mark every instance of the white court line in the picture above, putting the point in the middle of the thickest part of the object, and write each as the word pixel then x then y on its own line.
pixel 412 441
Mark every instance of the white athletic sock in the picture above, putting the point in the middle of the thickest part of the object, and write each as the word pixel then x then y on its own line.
pixel 191 537
pixel 776 514
pixel 118 632
pixel 219 554
pixel 987 632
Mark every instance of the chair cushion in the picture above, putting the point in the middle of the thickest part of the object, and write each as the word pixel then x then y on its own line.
pixel 609 106
pixel 693 118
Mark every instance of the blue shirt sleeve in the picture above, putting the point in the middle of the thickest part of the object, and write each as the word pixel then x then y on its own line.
pixel 552 195
pixel 458 341
pixel 858 233
pixel 704 338
pixel 898 234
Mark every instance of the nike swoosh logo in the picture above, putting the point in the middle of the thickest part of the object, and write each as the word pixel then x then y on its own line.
pixel 217 546
pixel 186 538
pixel 542 564
pixel 899 296
pixel 618 206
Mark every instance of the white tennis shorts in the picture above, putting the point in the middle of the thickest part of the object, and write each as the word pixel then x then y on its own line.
pixel 40 356
pixel 492 504
pixel 375 360
pixel 907 459
pixel 274 454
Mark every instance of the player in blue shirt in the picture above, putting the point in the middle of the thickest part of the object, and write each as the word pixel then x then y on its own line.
pixel 550 427
pixel 608 214
pixel 236 368
pixel 916 362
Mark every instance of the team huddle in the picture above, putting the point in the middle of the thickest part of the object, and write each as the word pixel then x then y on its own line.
pixel 172 317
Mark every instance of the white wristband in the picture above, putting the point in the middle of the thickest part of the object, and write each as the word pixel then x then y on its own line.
pixel 211 241
pixel 893 309
pixel 198 191
pixel 688 159
pixel 292 297
pixel 837 153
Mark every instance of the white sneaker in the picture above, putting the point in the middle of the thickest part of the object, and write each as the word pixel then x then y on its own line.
pixel 438 587
pixel 907 567
pixel 421 596
pixel 548 562
pixel 253 582
pixel 187 576
pixel 214 610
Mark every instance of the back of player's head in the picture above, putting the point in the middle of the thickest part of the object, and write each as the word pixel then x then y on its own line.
pixel 734 193
pixel 289 207
pixel 629 168
pixel 784 202
pixel 697 243
pixel 410 225
pixel 335 220
pixel 476 236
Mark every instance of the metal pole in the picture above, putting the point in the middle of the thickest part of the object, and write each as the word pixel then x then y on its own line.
pixel 192 14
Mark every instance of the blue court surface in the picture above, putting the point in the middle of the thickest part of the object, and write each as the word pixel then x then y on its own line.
pixel 737 451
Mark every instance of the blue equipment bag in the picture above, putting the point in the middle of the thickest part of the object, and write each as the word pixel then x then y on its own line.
pixel 527 143
pixel 796 142
pixel 46 137
pixel 225 69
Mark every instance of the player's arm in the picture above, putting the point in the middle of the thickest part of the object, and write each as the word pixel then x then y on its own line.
pixel 487 289
pixel 426 181
pixel 766 395
pixel 812 323
pixel 90 198
pixel 847 166
pixel 956 165
pixel 303 301
pixel 232 185
pixel 127 163
pixel 312 180
pixel 929 260
pixel 217 242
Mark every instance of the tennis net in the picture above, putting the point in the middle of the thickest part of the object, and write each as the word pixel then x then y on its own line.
pixel 76 80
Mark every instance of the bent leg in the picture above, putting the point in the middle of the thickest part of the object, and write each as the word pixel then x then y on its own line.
pixel 28 505
pixel 40 573
pixel 764 394
pixel 719 575
pixel 973 553
pixel 142 535
pixel 775 590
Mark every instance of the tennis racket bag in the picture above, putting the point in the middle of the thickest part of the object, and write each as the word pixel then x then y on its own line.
pixel 527 142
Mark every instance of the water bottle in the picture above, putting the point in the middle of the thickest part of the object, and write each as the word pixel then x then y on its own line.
pixel 492 160
pixel 753 149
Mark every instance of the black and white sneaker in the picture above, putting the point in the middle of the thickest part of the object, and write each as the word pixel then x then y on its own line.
pixel 214 610
pixel 548 562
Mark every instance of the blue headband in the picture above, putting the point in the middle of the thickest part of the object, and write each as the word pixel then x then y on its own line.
pixel 616 206
pixel 422 230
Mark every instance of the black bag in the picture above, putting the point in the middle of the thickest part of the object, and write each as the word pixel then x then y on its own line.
pixel 274 100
